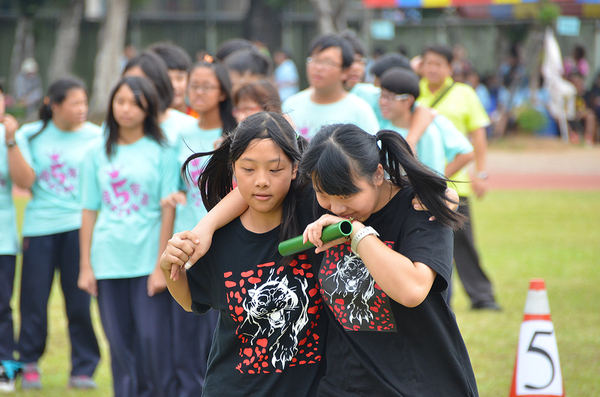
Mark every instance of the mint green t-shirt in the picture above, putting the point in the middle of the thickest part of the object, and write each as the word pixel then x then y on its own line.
pixel 8 231
pixel 126 191
pixel 192 140
pixel 370 94
pixel 56 158
pixel 173 125
pixel 439 145
pixel 309 117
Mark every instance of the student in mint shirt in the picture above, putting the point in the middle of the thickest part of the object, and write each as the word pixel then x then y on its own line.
pixel 326 101
pixel 123 230
pixel 47 161
pixel 188 350
pixel 441 147
pixel 8 251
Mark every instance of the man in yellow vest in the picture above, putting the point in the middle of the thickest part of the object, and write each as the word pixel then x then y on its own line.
pixel 459 103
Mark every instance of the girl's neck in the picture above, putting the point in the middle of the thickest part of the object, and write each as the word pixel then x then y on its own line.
pixel 259 222
pixel 164 116
pixel 64 126
pixel 211 119
pixel 329 95
pixel 402 120
pixel 128 136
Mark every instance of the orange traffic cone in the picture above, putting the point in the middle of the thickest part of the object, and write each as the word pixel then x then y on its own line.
pixel 537 368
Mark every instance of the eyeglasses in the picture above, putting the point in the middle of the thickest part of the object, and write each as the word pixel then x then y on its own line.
pixel 325 63
pixel 202 88
pixel 390 97
pixel 362 61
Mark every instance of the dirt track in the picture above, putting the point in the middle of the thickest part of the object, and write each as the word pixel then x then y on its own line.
pixel 527 163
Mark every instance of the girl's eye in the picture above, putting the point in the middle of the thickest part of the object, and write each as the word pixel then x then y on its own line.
pixel 274 171
pixel 247 169
pixel 345 197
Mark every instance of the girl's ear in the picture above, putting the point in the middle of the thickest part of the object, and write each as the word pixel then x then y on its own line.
pixel 379 176
pixel 294 171
pixel 222 97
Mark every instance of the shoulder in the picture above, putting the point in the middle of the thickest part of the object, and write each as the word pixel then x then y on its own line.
pixel 29 129
pixel 298 98
pixel 92 128
pixel 463 89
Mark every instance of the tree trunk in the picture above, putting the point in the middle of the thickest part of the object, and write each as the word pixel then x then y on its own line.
pixel 263 22
pixel 67 40
pixel 111 42
pixel 324 16
pixel 339 16
pixel 23 48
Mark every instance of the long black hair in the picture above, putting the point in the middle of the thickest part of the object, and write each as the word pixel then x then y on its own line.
pixel 216 179
pixel 156 69
pixel 57 93
pixel 147 99
pixel 341 152
pixel 225 106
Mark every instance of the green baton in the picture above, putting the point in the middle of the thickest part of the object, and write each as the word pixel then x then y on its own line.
pixel 330 233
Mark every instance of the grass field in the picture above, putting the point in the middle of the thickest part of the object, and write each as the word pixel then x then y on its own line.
pixel 521 235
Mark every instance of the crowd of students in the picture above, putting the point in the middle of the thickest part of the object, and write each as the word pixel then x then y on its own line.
pixel 122 212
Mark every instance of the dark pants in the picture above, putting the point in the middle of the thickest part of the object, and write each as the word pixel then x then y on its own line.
pixel 7 281
pixel 476 283
pixel 138 331
pixel 42 256
pixel 192 338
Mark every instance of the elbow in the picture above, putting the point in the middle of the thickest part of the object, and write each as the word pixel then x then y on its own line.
pixel 414 297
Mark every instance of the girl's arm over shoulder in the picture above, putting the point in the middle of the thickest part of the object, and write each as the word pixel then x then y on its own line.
pixel 228 209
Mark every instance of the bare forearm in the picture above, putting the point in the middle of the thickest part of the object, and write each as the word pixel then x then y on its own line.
pixel 407 282
pixel 459 162
pixel 20 172
pixel 231 207
pixel 421 119
pixel 179 289
pixel 479 141
pixel 88 220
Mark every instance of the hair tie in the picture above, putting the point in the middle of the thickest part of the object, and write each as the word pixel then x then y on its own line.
pixel 378 142
pixel 208 58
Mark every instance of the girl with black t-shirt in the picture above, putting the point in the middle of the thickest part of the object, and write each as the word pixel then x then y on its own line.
pixel 271 331
pixel 391 332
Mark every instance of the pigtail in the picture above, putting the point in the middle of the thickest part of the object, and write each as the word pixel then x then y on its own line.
pixel 45 114
pixel 215 182
pixel 398 160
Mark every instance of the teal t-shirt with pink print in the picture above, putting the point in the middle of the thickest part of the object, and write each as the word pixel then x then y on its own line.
pixel 192 140
pixel 55 156
pixel 8 231
pixel 125 190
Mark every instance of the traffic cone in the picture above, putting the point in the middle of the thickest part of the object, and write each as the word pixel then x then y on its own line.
pixel 537 368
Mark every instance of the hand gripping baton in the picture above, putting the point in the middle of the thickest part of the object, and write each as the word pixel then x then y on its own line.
pixel 330 233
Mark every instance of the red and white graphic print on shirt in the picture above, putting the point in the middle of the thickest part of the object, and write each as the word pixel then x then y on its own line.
pixel 347 287
pixel 277 308
pixel 124 196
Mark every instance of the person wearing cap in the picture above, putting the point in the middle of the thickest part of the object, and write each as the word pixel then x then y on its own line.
pixel 441 147
pixel 28 88
pixel 460 104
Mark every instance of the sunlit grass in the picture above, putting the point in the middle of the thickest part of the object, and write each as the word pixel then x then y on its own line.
pixel 521 235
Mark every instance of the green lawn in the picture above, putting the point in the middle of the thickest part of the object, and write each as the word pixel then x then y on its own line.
pixel 521 235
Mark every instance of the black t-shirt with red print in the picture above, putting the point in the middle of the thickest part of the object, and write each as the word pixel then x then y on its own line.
pixel 270 337
pixel 378 347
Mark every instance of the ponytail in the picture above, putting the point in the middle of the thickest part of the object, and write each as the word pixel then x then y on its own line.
pixel 399 162
pixel 340 153
pixel 215 182
pixel 57 93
